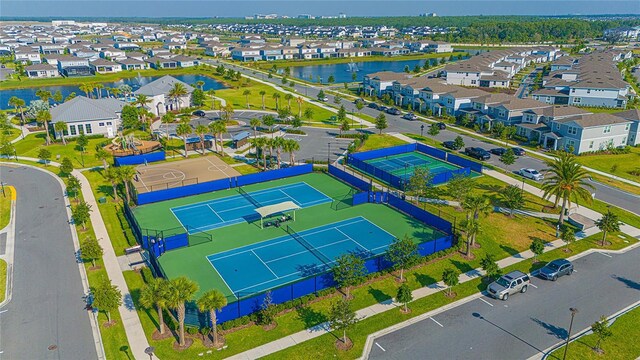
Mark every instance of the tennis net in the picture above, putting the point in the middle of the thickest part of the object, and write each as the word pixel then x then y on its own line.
pixel 308 246
pixel 249 197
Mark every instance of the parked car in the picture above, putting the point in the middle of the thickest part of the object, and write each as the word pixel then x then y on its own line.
pixel 518 151
pixel 394 111
pixel 373 105
pixel 498 151
pixel 323 99
pixel 451 145
pixel 509 284
pixel 555 269
pixel 410 116
pixel 441 125
pixel 477 153
pixel 199 113
pixel 383 108
pixel 356 101
pixel 532 174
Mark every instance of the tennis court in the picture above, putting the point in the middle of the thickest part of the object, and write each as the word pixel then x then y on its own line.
pixel 272 263
pixel 213 214
pixel 403 165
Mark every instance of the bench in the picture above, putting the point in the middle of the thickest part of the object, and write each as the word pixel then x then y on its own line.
pixel 133 249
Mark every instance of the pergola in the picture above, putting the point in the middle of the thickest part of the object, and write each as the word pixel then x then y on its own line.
pixel 268 210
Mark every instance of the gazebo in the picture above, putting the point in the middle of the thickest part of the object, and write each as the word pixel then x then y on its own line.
pixel 269 210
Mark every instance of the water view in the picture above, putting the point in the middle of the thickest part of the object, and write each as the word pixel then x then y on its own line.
pixel 343 72
pixel 29 94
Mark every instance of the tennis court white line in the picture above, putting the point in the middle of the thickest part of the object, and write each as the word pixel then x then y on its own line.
pixel 307 251
pixel 221 277
pixel 263 263
pixel 215 213
pixel 142 181
pixel 217 167
pixel 352 239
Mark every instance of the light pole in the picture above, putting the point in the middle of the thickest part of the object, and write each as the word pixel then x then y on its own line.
pixel 421 130
pixel 149 351
pixel 328 153
pixel 574 311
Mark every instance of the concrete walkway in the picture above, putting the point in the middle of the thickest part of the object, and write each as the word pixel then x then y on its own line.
pixel 431 289
pixel 132 325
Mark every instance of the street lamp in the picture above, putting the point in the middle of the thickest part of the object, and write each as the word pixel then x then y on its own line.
pixel 574 311
pixel 328 153
pixel 421 130
pixel 149 351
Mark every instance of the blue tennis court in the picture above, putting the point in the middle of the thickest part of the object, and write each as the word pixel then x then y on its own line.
pixel 212 214
pixel 402 165
pixel 262 266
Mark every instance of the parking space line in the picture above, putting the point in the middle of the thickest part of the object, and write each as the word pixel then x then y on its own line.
pixel 533 285
pixel 434 320
pixel 485 301
pixel 381 348
pixel 607 255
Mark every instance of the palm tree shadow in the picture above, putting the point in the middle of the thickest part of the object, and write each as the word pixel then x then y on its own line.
pixel 630 283
pixel 559 332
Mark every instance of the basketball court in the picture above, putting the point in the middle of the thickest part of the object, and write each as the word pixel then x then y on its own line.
pixel 166 175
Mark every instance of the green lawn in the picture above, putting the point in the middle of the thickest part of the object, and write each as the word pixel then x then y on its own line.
pixel 618 346
pixel 9 134
pixel 619 165
pixel 32 144
pixel 3 279
pixel 323 347
pixel 5 207
pixel 378 141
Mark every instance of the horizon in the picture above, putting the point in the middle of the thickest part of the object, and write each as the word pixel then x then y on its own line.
pixel 34 9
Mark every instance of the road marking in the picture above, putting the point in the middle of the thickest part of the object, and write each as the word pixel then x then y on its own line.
pixel 485 301
pixel 381 348
pixel 533 286
pixel 434 320
pixel 3 311
pixel 607 255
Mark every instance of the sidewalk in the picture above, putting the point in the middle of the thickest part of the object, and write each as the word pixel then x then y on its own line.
pixel 132 325
pixel 324 328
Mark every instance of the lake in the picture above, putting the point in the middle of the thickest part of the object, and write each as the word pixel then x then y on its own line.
pixel 28 94
pixel 342 72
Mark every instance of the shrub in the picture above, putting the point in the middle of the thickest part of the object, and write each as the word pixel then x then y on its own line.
pixel 205 331
pixel 192 330
pixel 295 131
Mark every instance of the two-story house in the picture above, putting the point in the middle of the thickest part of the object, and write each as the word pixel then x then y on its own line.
pixel 586 133
pixel 158 92
pixel 380 82
pixel 632 115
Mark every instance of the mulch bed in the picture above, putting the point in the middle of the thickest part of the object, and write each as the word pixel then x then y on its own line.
pixel 109 324
pixel 157 336
pixel 270 327
pixel 340 345
pixel 450 296
pixel 405 312
pixel 187 343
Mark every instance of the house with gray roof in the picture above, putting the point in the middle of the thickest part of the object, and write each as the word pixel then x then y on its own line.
pixel 41 71
pixel 89 116
pixel 632 115
pixel 158 92
pixel 587 133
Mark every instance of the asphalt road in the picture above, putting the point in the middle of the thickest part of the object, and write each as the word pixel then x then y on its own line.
pixel 527 323
pixel 46 318
pixel 603 192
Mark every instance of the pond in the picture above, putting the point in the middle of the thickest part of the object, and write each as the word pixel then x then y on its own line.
pixel 29 94
pixel 343 72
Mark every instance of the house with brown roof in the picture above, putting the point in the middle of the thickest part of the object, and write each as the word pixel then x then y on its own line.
pixel 380 82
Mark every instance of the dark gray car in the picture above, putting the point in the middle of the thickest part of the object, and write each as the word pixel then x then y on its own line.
pixel 555 269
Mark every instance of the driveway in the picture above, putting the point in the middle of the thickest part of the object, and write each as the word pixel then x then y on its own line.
pixel 46 318
pixel 527 323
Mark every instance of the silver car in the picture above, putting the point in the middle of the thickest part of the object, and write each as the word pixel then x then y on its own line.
pixel 532 174
pixel 509 284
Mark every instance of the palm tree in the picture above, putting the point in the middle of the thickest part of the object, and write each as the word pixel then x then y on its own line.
pixel 300 101
pixel 108 90
pixel 471 227
pixel 126 174
pixel 308 113
pixel 167 119
pixel 153 294
pixel 212 94
pixel 567 181
pixel 608 223
pixel 102 155
pixel 60 127
pixel 177 92
pixel 111 174
pixel 212 301
pixel 476 206
pixel 227 112
pixel 201 131
pixel 141 100
pixel 99 88
pixel 180 290
pixel 278 143
pixel 261 143
pixel 276 97
pixel 18 103
pixel 115 92
pixel 246 94
pixel 218 128
pixel 288 97
pixel 44 116
pixel 44 95
pixel 291 146
pixel 255 123
pixel 146 117
pixel 87 89
pixel 262 94
pixel 183 130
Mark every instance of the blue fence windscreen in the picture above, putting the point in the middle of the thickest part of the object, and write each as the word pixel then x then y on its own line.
pixel 360 198
pixel 465 163
pixel 188 190
pixel 394 150
pixel 431 151
pixel 422 215
pixel 273 175
pixel 349 178
pixel 139 159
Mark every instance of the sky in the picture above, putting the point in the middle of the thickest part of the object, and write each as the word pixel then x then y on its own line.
pixel 241 8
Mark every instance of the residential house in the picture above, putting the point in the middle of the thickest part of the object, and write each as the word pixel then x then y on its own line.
pixel 41 71
pixel 132 64
pixel 158 92
pixel 157 63
pixel 88 116
pixel 632 115
pixel 380 82
pixel 535 122
pixel 73 66
pixel 245 54
pixel 185 61
pixel 27 55
pixel 103 66
pixel 113 53
pixel 587 133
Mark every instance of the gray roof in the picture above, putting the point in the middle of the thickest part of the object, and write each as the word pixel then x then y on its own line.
pixel 161 86
pixel 81 108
